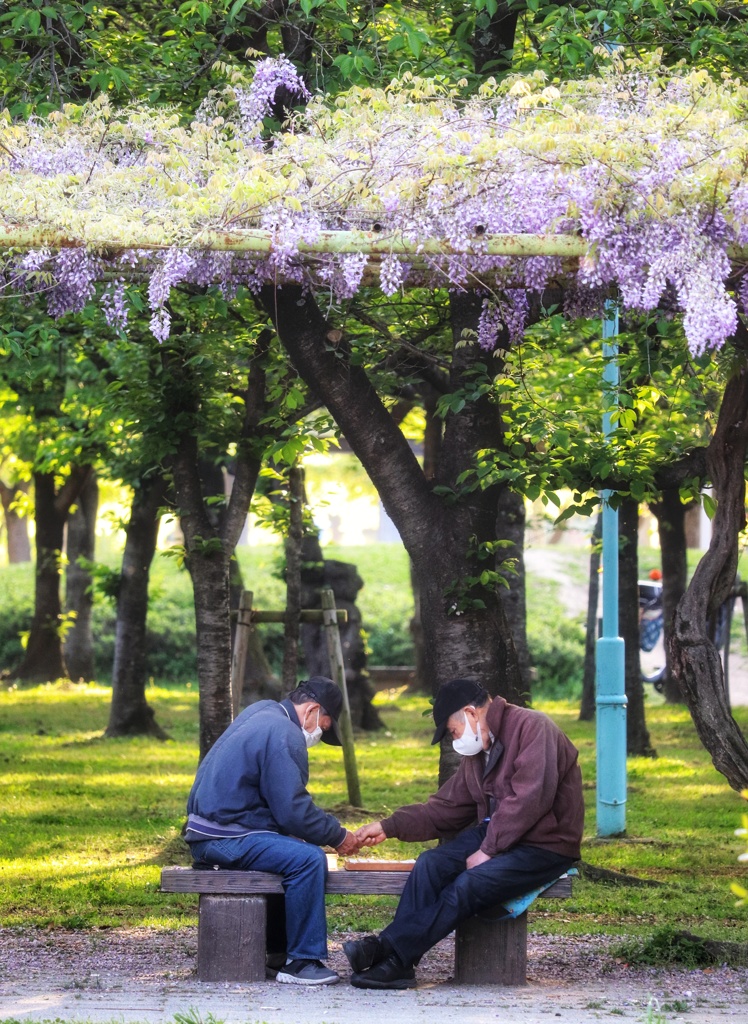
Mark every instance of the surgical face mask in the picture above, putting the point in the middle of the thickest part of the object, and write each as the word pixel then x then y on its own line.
pixel 310 738
pixel 470 742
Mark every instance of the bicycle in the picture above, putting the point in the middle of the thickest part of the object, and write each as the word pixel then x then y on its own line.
pixel 651 625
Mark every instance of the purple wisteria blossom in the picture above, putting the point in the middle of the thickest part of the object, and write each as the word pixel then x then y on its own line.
pixel 256 102
pixel 490 325
pixel 75 272
pixel 506 313
pixel 644 168
pixel 392 274
pixel 114 305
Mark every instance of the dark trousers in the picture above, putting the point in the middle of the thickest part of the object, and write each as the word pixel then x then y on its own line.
pixel 441 892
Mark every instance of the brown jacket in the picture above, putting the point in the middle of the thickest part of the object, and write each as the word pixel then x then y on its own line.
pixel 531 788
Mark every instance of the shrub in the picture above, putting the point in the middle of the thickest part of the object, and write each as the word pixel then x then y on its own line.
pixel 385 601
pixel 557 654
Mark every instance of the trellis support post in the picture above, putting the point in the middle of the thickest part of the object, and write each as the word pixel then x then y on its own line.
pixel 610 695
pixel 337 666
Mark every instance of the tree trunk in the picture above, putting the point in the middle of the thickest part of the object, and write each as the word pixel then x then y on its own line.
pixel 465 628
pixel 432 443
pixel 671 518
pixel 43 659
pixel 211 533
pixel 493 40
pixel 130 713
pixel 588 705
pixel 420 682
pixel 16 526
pixel 510 525
pixel 210 583
pixel 696 662
pixel 637 735
pixel 81 544
pixel 208 561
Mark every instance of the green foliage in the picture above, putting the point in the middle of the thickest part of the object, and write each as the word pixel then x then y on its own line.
pixel 556 645
pixel 195 1016
pixel 665 947
pixel 549 395
pixel 571 39
pixel 57 51
pixel 386 603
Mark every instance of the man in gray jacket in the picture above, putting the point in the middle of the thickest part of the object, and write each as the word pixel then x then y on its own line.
pixel 513 811
pixel 249 809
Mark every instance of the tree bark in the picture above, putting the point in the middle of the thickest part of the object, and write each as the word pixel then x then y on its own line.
pixel 493 39
pixel 43 659
pixel 210 540
pixel 80 543
pixel 637 734
pixel 510 525
pixel 588 706
pixel 432 443
pixel 130 713
pixel 442 537
pixel 16 526
pixel 671 519
pixel 696 662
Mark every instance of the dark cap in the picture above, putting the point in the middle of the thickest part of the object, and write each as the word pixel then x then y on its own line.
pixel 453 697
pixel 330 697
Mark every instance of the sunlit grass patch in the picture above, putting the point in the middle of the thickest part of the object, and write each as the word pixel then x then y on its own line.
pixel 87 823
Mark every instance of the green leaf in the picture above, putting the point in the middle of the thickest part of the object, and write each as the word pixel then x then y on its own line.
pixel 710 505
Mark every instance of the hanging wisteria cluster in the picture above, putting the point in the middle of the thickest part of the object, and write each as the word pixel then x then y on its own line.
pixel 646 170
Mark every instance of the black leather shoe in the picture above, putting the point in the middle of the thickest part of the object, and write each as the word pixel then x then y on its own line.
pixel 363 953
pixel 388 973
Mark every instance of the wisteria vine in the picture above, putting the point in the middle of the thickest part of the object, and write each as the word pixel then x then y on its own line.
pixel 648 167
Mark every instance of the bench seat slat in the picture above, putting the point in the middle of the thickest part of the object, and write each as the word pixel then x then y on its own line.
pixel 355 883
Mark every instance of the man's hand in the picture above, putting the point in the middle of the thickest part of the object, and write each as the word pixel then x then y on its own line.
pixel 349 845
pixel 371 835
pixel 479 857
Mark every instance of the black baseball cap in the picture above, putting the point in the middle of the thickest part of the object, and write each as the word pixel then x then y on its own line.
pixel 453 697
pixel 330 697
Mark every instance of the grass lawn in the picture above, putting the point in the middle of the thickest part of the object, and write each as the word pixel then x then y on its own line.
pixel 85 823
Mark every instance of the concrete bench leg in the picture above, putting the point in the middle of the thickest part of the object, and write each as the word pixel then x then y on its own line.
pixel 231 938
pixel 491 950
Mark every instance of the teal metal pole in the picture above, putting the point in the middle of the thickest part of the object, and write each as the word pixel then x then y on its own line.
pixel 610 676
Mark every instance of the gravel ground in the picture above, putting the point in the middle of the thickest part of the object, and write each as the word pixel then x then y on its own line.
pixel 133 975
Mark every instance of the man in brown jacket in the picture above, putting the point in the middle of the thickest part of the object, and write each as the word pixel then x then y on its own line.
pixel 520 788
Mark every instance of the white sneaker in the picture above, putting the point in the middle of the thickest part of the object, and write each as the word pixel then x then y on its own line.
pixel 307 972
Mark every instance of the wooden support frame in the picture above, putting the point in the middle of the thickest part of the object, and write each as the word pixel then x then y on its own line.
pixel 330 618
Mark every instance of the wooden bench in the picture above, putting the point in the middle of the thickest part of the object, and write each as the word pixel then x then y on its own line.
pixel 489 950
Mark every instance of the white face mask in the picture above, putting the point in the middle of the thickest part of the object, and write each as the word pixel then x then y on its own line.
pixel 310 738
pixel 470 742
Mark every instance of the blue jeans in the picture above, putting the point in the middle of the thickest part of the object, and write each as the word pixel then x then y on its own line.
pixel 303 868
pixel 441 891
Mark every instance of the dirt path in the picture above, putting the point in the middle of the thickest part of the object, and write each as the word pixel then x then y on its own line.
pixel 134 975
